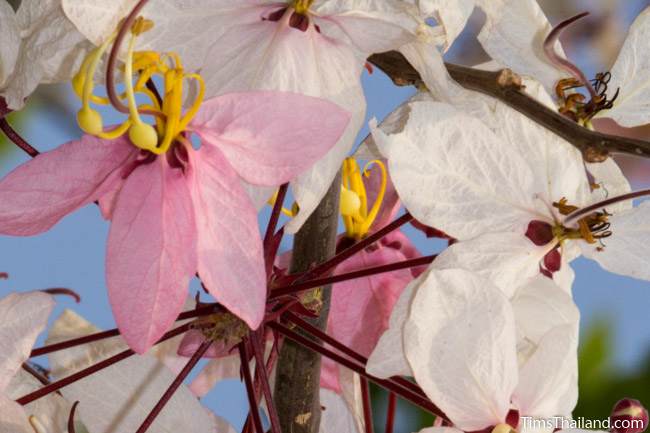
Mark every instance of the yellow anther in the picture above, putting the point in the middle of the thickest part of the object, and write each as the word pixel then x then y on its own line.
pixel 503 428
pixel 144 136
pixel 90 121
pixel 141 25
pixel 350 202
pixel 36 424
pixel 354 201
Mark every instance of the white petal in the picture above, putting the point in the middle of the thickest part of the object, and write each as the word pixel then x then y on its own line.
pixel 506 259
pixel 10 41
pixel 451 14
pixel 24 316
pixel 460 342
pixel 51 50
pixel 51 411
pixel 453 173
pixel 548 382
pixel 612 182
pixel 388 358
pixel 539 306
pixel 631 75
pixel 627 251
pixel 13 417
pixel 336 416
pixel 514 35
pixel 215 371
pixel 120 397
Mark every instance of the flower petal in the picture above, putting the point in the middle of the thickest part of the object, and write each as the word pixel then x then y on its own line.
pixel 631 76
pixel 461 326
pixel 506 259
pixel 10 43
pixel 269 137
pixel 548 381
pixel 478 185
pixel 24 316
pixel 627 250
pixel 14 418
pixel 51 50
pixel 514 35
pixel 37 194
pixel 120 397
pixel 151 253
pixel 230 258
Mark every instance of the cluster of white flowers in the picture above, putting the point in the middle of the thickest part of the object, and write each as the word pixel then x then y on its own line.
pixel 490 330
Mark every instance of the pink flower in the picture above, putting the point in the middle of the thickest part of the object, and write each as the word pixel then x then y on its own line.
pixel 180 213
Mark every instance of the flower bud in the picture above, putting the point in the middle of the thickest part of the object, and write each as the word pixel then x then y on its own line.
pixel 629 416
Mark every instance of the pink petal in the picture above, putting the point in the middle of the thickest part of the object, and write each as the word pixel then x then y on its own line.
pixel 151 253
pixel 36 195
pixel 231 261
pixel 270 137
pixel 399 241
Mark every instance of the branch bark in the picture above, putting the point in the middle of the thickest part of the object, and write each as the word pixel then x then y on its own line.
pixel 297 383
pixel 502 85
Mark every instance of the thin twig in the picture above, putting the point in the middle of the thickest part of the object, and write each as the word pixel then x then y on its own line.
pixel 595 146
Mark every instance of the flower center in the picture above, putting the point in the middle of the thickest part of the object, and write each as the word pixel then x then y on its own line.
pixel 170 121
pixel 302 6
pixel 574 106
pixel 299 18
pixel 357 218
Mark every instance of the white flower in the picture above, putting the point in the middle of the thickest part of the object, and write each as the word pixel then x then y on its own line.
pixel 506 185
pixel 514 36
pixel 120 397
pixel 314 47
pixel 24 316
pixel 41 46
pixel 460 339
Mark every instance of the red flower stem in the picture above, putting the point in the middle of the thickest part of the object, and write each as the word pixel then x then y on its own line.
pixel 601 204
pixel 169 393
pixel 71 428
pixel 308 327
pixel 250 388
pixel 330 264
pixel 260 369
pixel 63 291
pixel 275 215
pixel 203 311
pixel 375 270
pixel 367 407
pixel 390 412
pixel 17 139
pixel 55 386
pixel 360 369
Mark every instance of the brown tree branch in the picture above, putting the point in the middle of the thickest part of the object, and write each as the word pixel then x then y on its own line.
pixel 504 86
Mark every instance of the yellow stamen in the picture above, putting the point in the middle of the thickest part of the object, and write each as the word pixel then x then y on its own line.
pixel 354 201
pixel 302 6
pixel 290 213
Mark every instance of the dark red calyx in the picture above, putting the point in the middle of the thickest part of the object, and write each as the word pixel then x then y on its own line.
pixel 540 232
pixel 553 260
pixel 299 21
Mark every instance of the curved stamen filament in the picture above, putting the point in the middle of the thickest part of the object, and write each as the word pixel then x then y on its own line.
pixel 370 218
pixel 579 213
pixel 561 62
